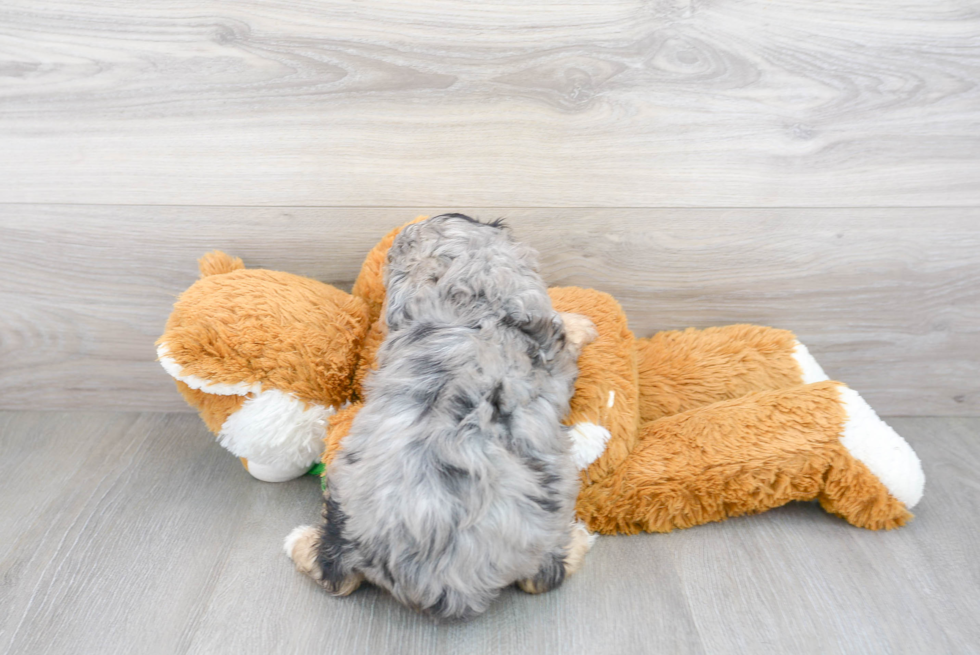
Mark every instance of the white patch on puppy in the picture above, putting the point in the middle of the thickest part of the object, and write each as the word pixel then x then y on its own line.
pixel 582 542
pixel 300 533
pixel 579 331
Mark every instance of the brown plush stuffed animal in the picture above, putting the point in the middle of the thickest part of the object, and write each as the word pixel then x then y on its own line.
pixel 673 431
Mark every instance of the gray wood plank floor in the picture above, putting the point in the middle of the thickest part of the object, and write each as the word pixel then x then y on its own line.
pixel 124 532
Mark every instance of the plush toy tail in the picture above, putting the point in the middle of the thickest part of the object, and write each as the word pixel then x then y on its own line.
pixel 217 262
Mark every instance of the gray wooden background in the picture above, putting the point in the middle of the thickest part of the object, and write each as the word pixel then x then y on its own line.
pixel 809 165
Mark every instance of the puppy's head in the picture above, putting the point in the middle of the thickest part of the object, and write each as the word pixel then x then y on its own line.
pixel 443 263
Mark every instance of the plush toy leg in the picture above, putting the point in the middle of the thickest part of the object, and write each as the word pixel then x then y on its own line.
pixel 274 473
pixel 875 471
pixel 747 455
pixel 681 370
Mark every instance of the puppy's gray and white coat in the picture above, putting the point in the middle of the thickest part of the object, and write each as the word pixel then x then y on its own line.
pixel 456 478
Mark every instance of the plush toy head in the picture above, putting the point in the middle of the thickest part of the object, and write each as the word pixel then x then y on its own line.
pixel 266 357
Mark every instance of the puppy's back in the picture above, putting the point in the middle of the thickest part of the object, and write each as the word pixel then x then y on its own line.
pixel 455 479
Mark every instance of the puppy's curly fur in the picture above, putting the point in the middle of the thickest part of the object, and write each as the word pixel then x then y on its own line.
pixel 456 478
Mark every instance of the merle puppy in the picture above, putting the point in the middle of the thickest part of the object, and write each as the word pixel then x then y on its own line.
pixel 456 478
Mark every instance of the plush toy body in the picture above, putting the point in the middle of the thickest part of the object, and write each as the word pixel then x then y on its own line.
pixel 673 431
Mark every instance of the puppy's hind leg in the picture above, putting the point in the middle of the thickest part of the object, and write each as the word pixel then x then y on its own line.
pixel 301 546
pixel 319 553
pixel 549 576
pixel 559 566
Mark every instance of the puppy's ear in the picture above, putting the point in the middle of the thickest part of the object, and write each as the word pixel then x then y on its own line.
pixel 413 273
pixel 543 327
pixel 551 336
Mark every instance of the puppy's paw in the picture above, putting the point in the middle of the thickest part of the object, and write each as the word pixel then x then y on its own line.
pixel 582 541
pixel 532 586
pixel 345 586
pixel 301 546
pixel 579 331
pixel 549 576
pixel 558 566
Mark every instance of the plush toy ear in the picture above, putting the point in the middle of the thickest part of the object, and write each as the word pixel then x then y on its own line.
pixel 369 285
pixel 217 262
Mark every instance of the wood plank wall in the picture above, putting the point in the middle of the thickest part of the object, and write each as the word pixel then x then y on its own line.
pixel 814 166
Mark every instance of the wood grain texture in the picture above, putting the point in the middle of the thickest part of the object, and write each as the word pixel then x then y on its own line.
pixel 146 536
pixel 887 300
pixel 667 103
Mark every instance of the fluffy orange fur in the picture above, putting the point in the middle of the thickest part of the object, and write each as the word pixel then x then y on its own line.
pixel 370 284
pixel 213 409
pixel 687 369
pixel 606 366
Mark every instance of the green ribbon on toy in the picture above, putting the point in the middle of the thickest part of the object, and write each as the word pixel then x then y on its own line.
pixel 318 469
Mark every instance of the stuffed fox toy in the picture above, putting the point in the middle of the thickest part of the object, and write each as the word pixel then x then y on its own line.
pixel 672 431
